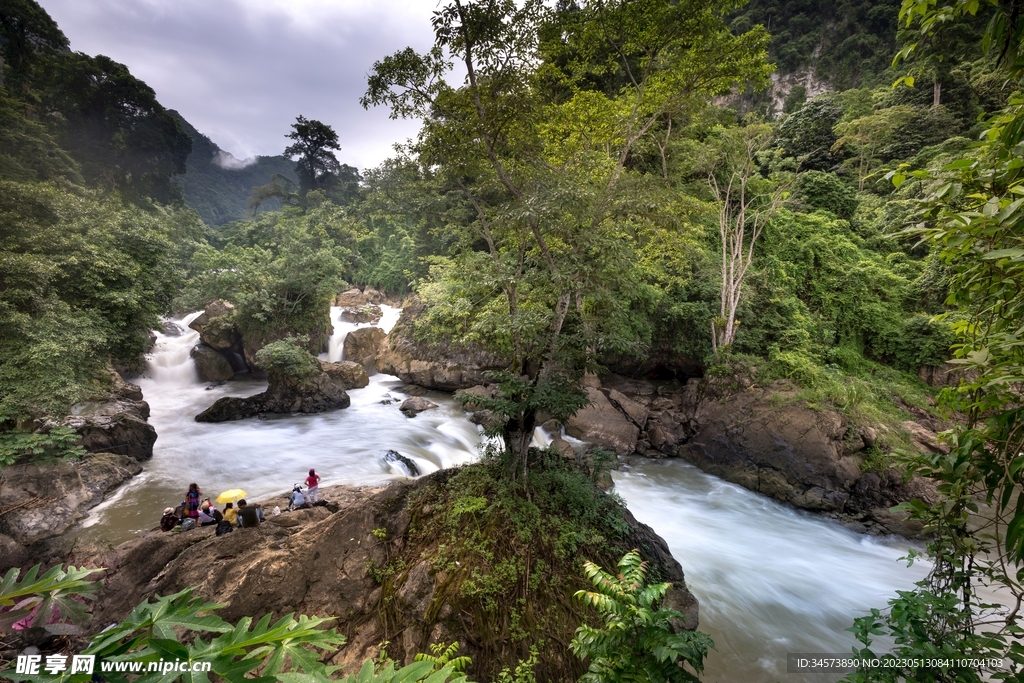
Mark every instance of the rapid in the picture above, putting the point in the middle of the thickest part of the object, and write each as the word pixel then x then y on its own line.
pixel 771 580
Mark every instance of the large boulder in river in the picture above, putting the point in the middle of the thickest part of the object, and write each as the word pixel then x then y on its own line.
pixel 361 346
pixel 42 500
pixel 411 407
pixel 215 309
pixel 210 365
pixel 350 375
pixel 444 365
pixel 297 383
pixel 369 313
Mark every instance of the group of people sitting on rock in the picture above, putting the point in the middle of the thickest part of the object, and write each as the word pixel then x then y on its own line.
pixel 195 511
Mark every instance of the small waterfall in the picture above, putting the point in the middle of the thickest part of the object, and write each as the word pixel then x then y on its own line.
pixel 169 362
pixel 336 344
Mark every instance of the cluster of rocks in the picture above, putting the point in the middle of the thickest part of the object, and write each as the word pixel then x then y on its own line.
pixel 42 500
pixel 324 391
pixel 763 438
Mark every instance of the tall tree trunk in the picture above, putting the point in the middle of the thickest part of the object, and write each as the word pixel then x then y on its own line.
pixel 937 92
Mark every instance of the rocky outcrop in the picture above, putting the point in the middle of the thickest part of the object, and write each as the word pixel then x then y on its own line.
pixel 114 421
pixel 364 561
pixel 350 375
pixel 409 465
pixel 411 407
pixel 219 333
pixel 368 313
pixel 42 500
pixel 946 375
pixel 603 424
pixel 356 297
pixel 444 366
pixel 763 438
pixel 211 366
pixel 323 391
pixel 361 346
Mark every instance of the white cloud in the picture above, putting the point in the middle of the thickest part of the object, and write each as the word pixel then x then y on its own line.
pixel 240 71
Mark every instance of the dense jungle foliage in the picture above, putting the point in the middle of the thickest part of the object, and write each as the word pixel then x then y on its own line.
pixel 591 190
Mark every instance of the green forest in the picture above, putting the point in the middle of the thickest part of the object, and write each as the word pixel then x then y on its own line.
pixel 611 180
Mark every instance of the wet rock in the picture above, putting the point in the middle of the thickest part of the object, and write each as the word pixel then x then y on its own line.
pixel 412 407
pixel 45 500
pixel 784 450
pixel 171 329
pixel 361 346
pixel 563 448
pixel 485 418
pixel 353 297
pixel 636 412
pixel 350 375
pixel 603 424
pixel 413 390
pixel 444 366
pixel 368 313
pixel 396 457
pixel 210 365
pixel 322 392
pixel 116 425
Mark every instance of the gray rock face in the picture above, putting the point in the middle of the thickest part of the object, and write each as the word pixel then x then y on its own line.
pixel 395 456
pixel 318 394
pixel 41 501
pixel 446 366
pixel 603 424
pixel 361 346
pixel 412 407
pixel 350 375
pixel 367 313
pixel 353 297
pixel 211 365
pixel 113 426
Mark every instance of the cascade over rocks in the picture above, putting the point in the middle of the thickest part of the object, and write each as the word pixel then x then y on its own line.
pixel 325 390
pixel 445 366
pixel 319 561
pixel 361 346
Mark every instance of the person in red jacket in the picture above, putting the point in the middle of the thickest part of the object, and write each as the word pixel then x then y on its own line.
pixel 312 484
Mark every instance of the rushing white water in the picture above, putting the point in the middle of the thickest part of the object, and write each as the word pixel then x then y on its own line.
pixel 770 580
pixel 336 345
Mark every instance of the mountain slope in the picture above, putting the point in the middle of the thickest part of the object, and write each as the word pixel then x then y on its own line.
pixel 217 192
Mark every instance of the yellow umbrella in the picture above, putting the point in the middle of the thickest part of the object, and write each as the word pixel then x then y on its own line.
pixel 231 496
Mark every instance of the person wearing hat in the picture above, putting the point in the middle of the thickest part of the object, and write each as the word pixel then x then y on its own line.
pixel 296 500
pixel 169 520
pixel 312 485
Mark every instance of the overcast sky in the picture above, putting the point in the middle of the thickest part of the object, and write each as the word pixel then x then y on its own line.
pixel 240 71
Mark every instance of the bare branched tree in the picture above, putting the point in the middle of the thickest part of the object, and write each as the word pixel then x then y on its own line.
pixel 746 203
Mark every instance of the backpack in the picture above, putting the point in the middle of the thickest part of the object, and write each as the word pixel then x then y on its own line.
pixel 188 523
pixel 224 527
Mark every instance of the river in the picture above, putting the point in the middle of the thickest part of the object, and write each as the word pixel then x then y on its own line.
pixel 770 579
